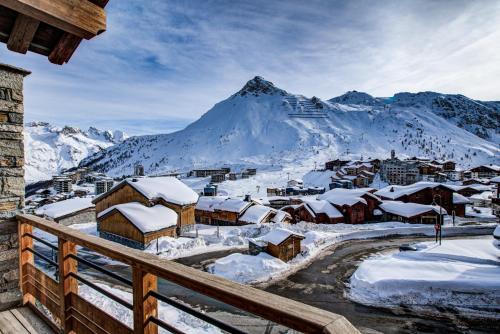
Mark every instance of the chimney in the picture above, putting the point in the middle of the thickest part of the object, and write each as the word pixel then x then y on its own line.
pixel 248 198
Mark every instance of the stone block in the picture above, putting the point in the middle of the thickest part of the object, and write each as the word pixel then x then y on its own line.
pixel 4 117
pixel 17 95
pixel 11 275
pixel 11 106
pixel 9 206
pixel 5 127
pixel 9 227
pixel 10 299
pixel 11 186
pixel 15 118
pixel 13 148
pixel 11 135
pixel 8 255
pixel 13 172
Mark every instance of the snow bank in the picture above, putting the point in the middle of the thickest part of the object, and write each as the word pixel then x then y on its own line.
pixel 462 274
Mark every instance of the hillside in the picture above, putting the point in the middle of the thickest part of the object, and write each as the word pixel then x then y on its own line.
pixel 50 149
pixel 263 125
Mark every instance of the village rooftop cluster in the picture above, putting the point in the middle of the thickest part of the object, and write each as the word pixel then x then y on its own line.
pixel 138 210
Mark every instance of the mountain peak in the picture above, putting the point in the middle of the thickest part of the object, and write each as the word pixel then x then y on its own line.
pixel 355 97
pixel 259 85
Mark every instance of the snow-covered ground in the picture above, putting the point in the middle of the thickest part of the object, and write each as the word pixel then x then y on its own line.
pixel 478 212
pixel 250 269
pixel 463 274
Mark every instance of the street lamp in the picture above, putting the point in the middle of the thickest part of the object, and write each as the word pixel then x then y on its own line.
pixel 439 226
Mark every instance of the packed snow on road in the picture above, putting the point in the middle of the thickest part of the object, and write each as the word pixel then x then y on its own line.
pixel 461 274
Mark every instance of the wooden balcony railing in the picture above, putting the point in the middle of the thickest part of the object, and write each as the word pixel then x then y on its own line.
pixel 75 314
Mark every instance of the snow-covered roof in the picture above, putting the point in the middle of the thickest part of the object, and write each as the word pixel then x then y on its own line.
pixel 408 210
pixel 496 179
pixel 278 235
pixel 66 207
pixel 485 195
pixel 459 199
pixel 496 232
pixel 232 205
pixel 206 203
pixel 168 188
pixel 280 216
pixel 394 191
pixel 342 197
pixel 146 219
pixel 255 214
pixel 323 206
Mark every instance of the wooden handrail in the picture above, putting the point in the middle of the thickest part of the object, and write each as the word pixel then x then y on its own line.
pixel 275 308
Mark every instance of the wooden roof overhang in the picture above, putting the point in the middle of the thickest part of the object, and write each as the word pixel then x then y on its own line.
pixel 53 28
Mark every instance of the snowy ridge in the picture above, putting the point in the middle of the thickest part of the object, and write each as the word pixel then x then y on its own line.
pixel 50 149
pixel 262 125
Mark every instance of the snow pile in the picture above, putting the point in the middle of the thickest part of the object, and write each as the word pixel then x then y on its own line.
pixel 180 320
pixel 478 212
pixel 146 219
pixel 462 274
pixel 66 207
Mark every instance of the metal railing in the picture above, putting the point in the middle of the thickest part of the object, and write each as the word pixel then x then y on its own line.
pixel 77 315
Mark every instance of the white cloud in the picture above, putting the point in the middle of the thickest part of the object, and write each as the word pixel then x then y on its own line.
pixel 173 60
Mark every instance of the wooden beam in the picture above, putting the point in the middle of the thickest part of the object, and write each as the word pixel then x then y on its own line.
pixel 67 284
pixel 25 257
pixel 78 17
pixel 287 312
pixel 22 33
pixel 64 49
pixel 144 306
pixel 68 43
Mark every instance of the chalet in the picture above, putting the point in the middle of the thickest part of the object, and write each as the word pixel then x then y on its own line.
pixel 459 203
pixel 320 211
pixel 350 204
pixel 136 225
pixel 472 189
pixel 482 199
pixel 335 164
pixel 469 182
pixel 411 212
pixel 222 211
pixel 281 217
pixel 485 171
pixel 423 193
pixel 280 243
pixel 449 166
pixel 295 183
pixel 168 191
pixel 257 214
pixel 204 209
pixel 365 196
pixel 68 212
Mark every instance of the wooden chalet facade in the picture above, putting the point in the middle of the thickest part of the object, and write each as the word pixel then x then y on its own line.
pixel 353 214
pixel 116 225
pixel 485 171
pixel 410 213
pixel 280 243
pixel 127 192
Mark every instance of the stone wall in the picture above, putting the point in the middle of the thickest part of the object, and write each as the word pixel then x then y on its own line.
pixel 11 180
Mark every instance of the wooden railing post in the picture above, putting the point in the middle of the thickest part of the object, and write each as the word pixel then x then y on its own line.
pixel 25 256
pixel 144 306
pixel 67 284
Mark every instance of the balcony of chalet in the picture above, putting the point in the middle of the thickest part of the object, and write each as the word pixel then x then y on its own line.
pixel 41 281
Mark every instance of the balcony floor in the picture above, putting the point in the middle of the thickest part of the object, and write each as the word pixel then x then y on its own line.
pixel 22 321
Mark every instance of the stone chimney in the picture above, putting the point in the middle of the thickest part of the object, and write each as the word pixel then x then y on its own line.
pixel 11 180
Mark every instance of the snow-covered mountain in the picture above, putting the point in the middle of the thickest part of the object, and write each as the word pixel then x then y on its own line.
pixel 50 149
pixel 264 125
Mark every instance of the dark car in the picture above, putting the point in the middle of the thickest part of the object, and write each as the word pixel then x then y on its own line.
pixel 407 247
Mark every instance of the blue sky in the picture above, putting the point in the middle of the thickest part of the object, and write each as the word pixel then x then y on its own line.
pixel 162 64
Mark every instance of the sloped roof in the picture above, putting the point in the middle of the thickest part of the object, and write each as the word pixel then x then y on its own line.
pixel 256 213
pixel 146 219
pixel 64 208
pixel 395 192
pixel 459 199
pixel 167 188
pixel 277 236
pixel 409 210
pixel 323 206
